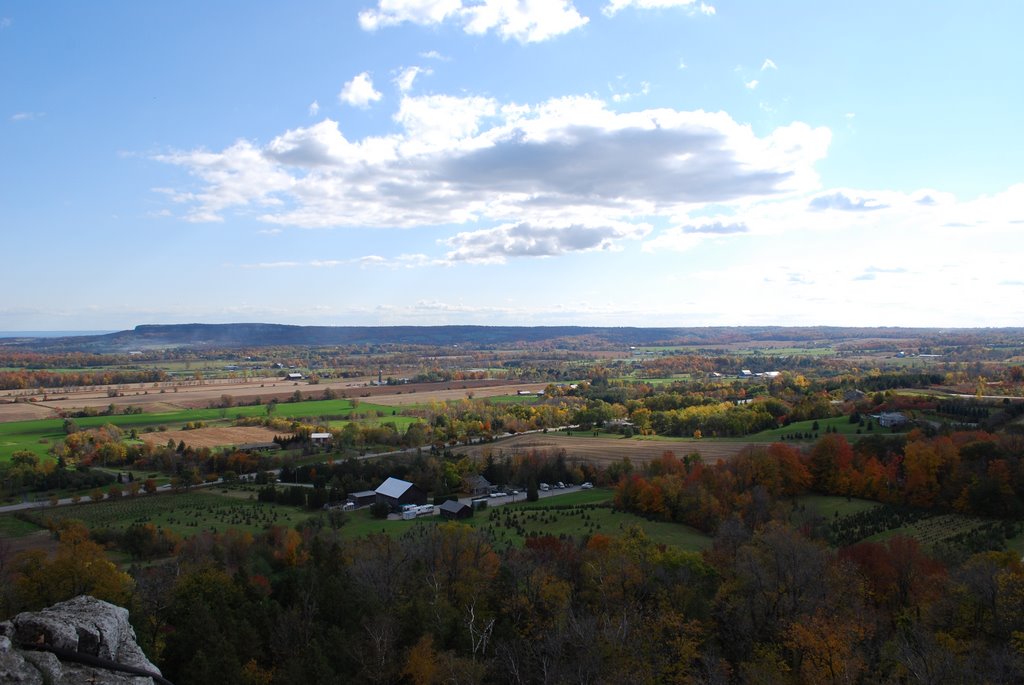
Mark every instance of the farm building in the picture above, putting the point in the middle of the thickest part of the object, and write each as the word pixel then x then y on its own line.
pixel 363 498
pixel 477 485
pixel 453 509
pixel 294 377
pixel 320 438
pixel 888 419
pixel 395 492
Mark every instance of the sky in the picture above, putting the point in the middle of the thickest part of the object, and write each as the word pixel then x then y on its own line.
pixel 511 162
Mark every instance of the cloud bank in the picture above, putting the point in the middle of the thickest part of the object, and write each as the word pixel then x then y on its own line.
pixel 569 162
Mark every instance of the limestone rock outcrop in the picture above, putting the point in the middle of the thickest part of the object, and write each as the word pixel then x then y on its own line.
pixel 83 625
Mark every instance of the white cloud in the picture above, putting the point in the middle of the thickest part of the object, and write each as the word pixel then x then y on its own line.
pixel 314 108
pixel 751 85
pixel 947 257
pixel 27 116
pixel 5 22
pixel 615 6
pixel 683 238
pixel 433 54
pixel 494 245
pixel 769 64
pixel 239 176
pixel 407 76
pixel 527 21
pixel 844 202
pixel 626 96
pixel 564 175
pixel 682 64
pixel 273 265
pixel 359 92
pixel 442 122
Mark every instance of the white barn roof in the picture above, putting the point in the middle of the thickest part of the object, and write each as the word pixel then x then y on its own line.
pixel 393 487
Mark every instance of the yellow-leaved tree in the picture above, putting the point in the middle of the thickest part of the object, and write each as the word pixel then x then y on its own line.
pixel 79 567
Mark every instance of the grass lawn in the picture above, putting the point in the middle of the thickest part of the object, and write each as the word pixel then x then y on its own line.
pixel 402 423
pixel 662 381
pixel 1016 544
pixel 512 399
pixel 11 527
pixel 929 529
pixel 841 424
pixel 828 506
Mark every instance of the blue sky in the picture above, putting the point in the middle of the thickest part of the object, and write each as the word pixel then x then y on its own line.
pixel 534 162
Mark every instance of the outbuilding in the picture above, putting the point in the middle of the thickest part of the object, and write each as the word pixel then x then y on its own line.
pixel 453 509
pixel 395 492
pixel 477 485
pixel 363 498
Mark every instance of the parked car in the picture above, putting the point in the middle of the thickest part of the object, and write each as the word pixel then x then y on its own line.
pixel 587 486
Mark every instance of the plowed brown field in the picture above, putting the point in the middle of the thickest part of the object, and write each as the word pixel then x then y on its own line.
pixel 213 437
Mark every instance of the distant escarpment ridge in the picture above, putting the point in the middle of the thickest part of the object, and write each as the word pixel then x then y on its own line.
pixel 235 335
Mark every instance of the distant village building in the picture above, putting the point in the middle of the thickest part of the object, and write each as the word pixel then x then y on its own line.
pixel 395 492
pixel 320 438
pixel 453 509
pixel 294 376
pixel 854 395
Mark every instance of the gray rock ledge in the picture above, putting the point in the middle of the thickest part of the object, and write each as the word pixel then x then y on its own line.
pixel 85 625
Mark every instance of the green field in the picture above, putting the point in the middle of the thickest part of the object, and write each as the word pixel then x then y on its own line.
pixel 402 423
pixel 39 435
pixel 655 381
pixel 512 399
pixel 827 506
pixel 11 527
pixel 841 424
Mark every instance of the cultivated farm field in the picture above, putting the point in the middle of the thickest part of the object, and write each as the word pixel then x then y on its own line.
pixel 604 450
pixel 186 513
pixel 214 437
